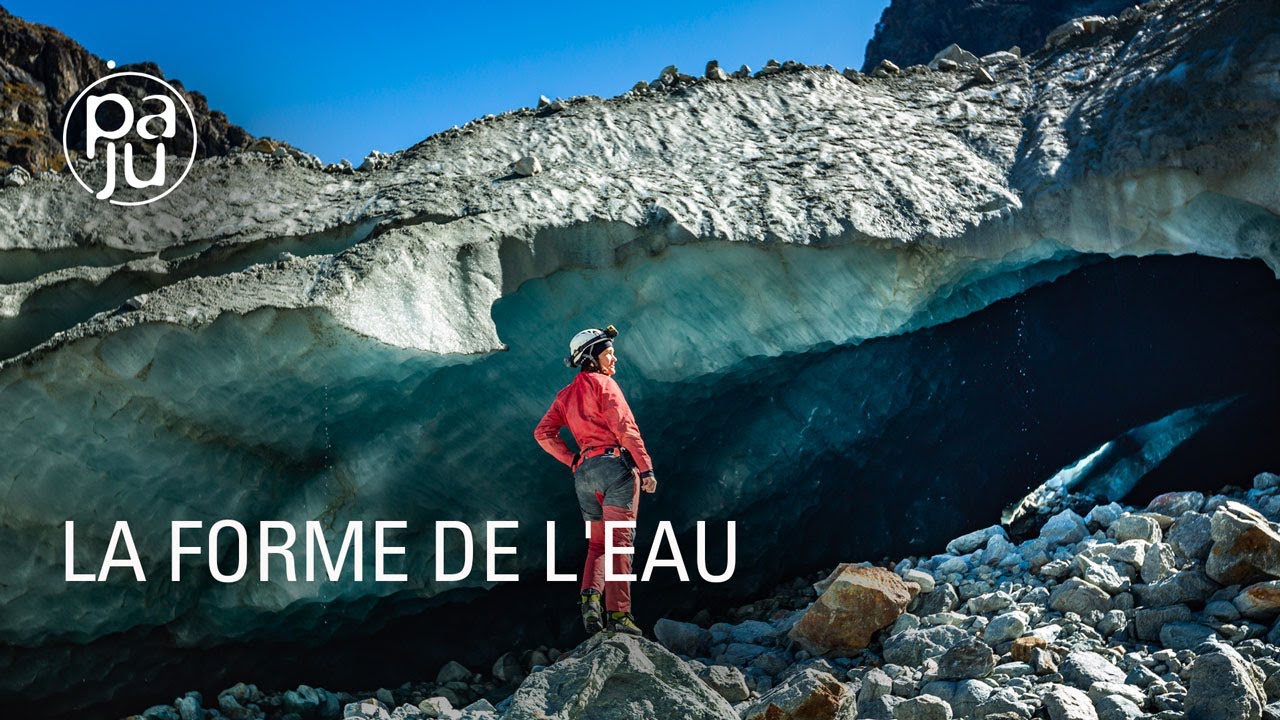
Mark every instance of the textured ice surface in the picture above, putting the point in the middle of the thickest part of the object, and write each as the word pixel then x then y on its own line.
pixel 1115 467
pixel 776 251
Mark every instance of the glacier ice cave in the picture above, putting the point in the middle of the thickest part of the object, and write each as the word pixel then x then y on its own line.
pixel 859 316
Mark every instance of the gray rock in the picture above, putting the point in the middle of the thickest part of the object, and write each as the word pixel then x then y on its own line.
pixel 1175 504
pixel 304 701
pixel 1042 661
pixel 953 566
pixel 969 542
pixel 1158 563
pixel 715 72
pixel 1266 481
pixel 1148 621
pixel 1222 610
pixel 1064 528
pixel 1104 575
pixel 1101 516
pixel 988 603
pixel 741 653
pixel 453 671
pixel 1080 597
pixel 1191 536
pixel 1186 635
pixel 367 708
pixel 1112 622
pixel 1001 704
pixel 1067 703
pixel 1222 685
pixel 923 707
pixel 1101 690
pixel 1083 668
pixel 983 76
pixel 526 166
pixel 969 658
pixel 968 695
pixel 507 669
pixel 954 54
pixel 1006 627
pixel 728 681
pixel 921 578
pixel 610 675
pixel 1135 527
pixel 160 712
pixel 188 707
pixel 912 647
pixel 682 638
pixel 1188 586
pixel 1117 707
pixel 943 599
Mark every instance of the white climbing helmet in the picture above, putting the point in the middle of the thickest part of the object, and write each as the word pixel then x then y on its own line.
pixel 583 344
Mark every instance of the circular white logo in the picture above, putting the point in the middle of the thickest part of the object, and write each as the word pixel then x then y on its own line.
pixel 150 148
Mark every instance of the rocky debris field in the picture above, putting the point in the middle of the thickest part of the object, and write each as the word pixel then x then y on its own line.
pixel 1119 613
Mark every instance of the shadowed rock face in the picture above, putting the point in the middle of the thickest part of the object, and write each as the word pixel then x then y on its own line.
pixel 911 32
pixel 43 70
pixel 894 300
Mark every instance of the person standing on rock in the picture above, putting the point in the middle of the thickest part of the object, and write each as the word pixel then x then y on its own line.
pixel 609 470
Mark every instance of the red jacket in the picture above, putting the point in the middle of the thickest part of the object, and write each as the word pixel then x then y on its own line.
pixel 597 415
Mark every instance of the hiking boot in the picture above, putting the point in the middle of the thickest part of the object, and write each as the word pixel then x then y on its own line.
pixel 592 612
pixel 623 622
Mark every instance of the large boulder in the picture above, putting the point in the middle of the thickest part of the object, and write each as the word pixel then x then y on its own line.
pixel 856 603
pixel 617 677
pixel 1246 547
pixel 809 695
pixel 1224 686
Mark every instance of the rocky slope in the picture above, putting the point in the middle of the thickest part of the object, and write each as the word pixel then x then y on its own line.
pixel 43 70
pixel 1166 612
pixel 911 32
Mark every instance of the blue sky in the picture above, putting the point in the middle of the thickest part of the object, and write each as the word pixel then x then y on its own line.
pixel 340 79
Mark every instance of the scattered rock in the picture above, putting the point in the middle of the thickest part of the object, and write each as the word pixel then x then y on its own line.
pixel 1064 528
pixel 968 659
pixel 616 676
pixel 1135 527
pixel 526 166
pixel 1006 627
pixel 1083 668
pixel 1068 703
pixel 969 542
pixel 727 681
pixel 682 638
pixel 923 707
pixel 955 55
pixel 1022 647
pixel 1260 601
pixel 1080 597
pixel 1175 504
pixel 811 694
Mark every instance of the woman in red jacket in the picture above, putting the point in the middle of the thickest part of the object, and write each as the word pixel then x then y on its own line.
pixel 609 470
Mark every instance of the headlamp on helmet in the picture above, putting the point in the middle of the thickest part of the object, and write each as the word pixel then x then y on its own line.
pixel 589 343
